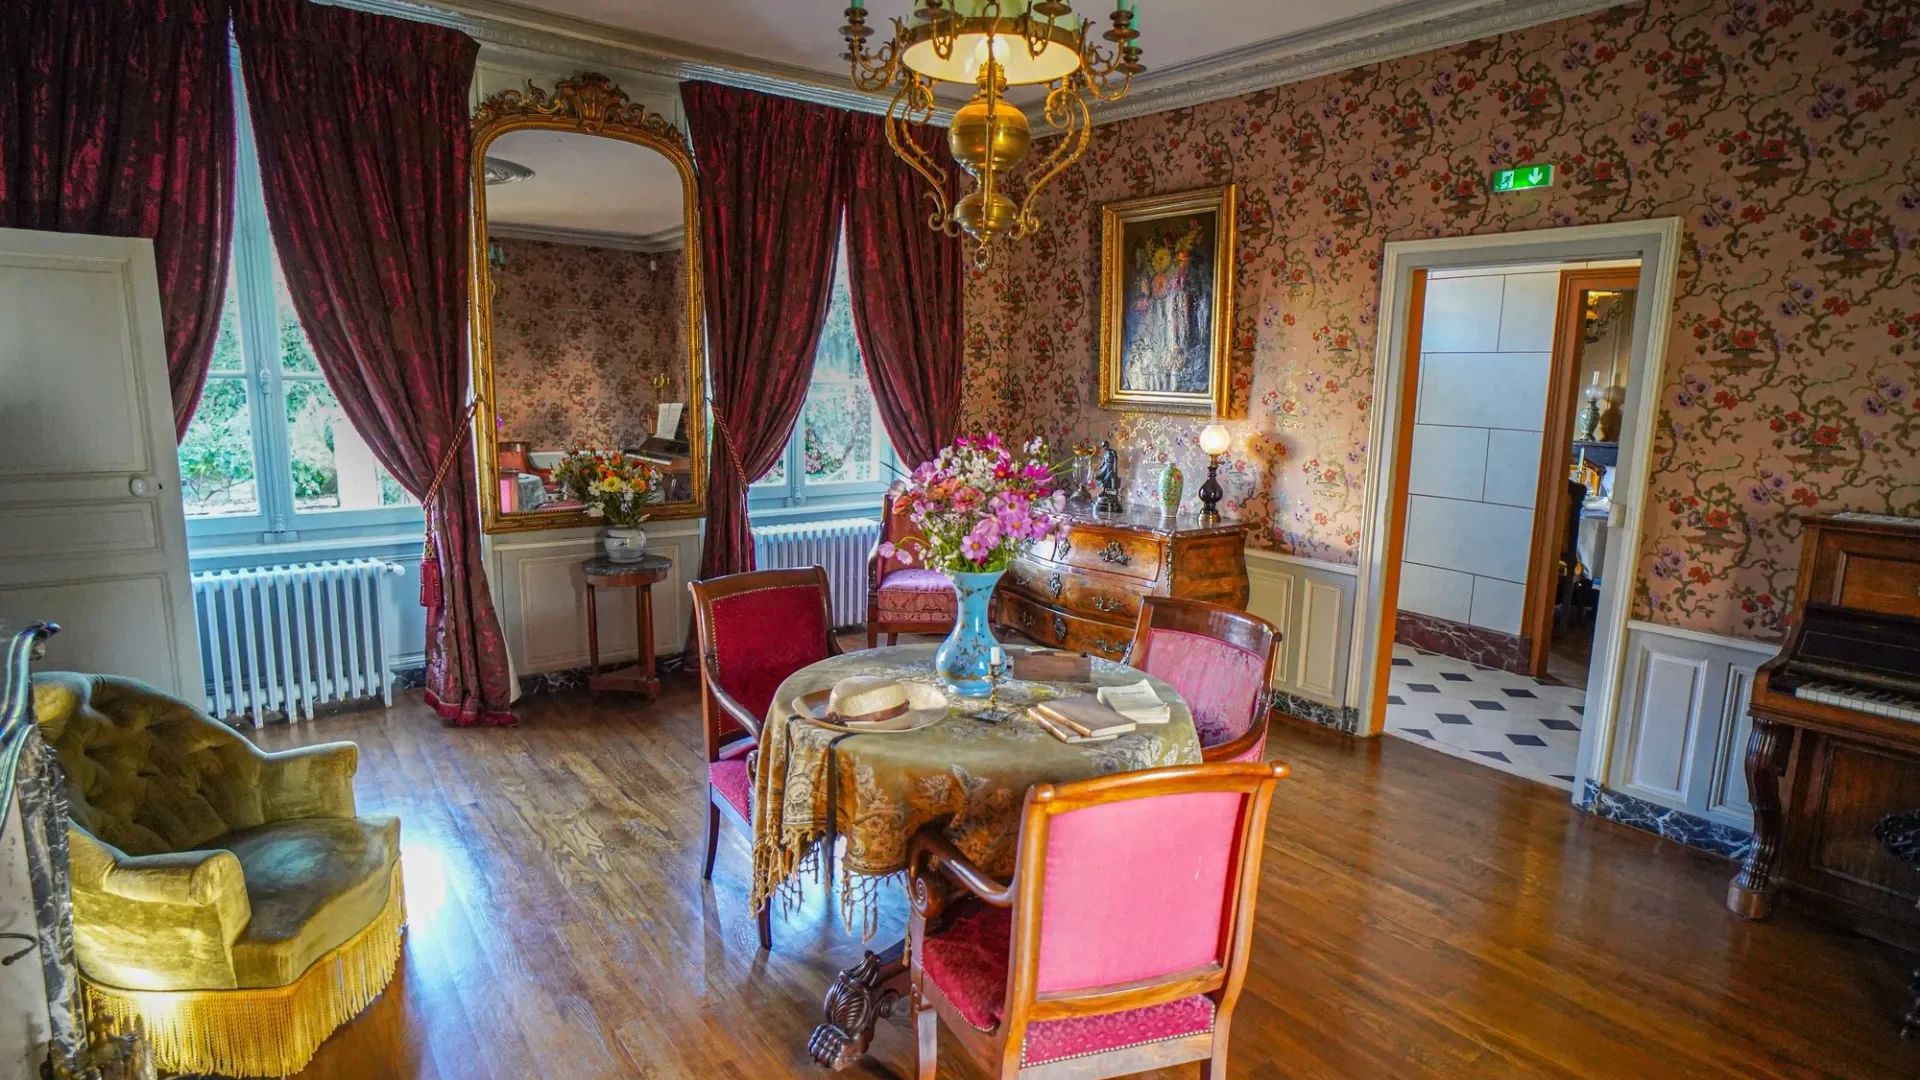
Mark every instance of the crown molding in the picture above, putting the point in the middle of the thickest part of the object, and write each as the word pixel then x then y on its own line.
pixel 653 243
pixel 1371 38
pixel 507 25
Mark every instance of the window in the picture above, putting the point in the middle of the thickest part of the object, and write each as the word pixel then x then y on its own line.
pixel 270 457
pixel 839 454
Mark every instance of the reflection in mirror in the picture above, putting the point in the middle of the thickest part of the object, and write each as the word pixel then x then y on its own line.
pixel 589 312
pixel 585 307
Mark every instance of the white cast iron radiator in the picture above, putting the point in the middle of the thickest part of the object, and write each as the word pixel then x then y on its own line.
pixel 840 546
pixel 283 639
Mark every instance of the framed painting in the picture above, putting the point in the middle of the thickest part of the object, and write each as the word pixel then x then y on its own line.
pixel 1166 301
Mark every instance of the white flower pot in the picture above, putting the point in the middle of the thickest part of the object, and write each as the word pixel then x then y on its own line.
pixel 625 545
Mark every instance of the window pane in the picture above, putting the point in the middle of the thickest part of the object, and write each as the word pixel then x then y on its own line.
pixel 775 477
pixel 296 356
pixel 227 357
pixel 840 418
pixel 216 457
pixel 333 468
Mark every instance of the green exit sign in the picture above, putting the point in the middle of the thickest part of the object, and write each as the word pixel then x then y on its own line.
pixel 1527 176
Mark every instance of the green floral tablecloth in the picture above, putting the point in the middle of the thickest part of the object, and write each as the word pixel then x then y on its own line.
pixel 973 773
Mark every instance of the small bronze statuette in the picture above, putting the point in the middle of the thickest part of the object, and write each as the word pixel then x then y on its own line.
pixel 1109 478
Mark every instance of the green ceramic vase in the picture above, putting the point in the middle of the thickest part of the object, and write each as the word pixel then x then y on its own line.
pixel 1171 485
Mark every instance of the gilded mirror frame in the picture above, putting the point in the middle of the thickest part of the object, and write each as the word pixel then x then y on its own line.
pixel 592 105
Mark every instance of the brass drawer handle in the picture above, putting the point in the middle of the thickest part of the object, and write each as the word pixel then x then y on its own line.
pixel 1026 619
pixel 1059 629
pixel 1101 603
pixel 1054 585
pixel 1108 646
pixel 1114 553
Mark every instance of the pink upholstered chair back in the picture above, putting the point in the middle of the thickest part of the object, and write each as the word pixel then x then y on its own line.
pixel 897 527
pixel 760 627
pixel 1137 890
pixel 1221 682
pixel 1142 880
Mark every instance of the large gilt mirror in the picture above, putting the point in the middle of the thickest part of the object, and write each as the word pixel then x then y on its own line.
pixel 587 317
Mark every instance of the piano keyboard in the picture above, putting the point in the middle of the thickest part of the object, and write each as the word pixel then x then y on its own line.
pixel 1878 702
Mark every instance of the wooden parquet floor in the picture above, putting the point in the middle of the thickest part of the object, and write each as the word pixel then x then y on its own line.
pixel 1421 917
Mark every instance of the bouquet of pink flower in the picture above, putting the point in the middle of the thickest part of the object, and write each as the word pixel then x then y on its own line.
pixel 978 505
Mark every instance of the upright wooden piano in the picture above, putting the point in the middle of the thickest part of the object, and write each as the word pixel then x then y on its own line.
pixel 1836 733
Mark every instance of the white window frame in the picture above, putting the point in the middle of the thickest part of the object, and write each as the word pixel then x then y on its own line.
pixel 279 531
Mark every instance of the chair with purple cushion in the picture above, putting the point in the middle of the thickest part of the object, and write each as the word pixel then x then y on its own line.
pixel 1220 660
pixel 904 598
pixel 755 630
pixel 1121 943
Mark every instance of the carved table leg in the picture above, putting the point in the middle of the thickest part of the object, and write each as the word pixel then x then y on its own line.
pixel 1750 894
pixel 860 997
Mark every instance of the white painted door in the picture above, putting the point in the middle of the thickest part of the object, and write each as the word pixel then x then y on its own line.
pixel 93 534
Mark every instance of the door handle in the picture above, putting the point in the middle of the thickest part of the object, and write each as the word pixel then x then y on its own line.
pixel 140 487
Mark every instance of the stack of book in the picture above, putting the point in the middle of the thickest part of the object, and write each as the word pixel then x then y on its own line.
pixel 1080 719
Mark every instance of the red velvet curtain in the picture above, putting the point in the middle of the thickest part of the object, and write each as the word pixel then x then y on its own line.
pixel 116 117
pixel 772 185
pixel 908 286
pixel 364 149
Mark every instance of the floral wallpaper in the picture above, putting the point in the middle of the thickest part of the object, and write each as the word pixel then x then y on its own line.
pixel 1785 135
pixel 579 336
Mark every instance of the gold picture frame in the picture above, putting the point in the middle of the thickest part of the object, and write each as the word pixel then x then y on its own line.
pixel 589 104
pixel 1154 364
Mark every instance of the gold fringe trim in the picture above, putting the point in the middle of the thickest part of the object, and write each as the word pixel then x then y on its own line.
pixel 265 1032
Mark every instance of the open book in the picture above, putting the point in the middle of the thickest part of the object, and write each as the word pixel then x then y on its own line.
pixel 1137 702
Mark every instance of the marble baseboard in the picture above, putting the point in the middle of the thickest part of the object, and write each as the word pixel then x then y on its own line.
pixel 544 683
pixel 1689 829
pixel 1474 644
pixel 1342 718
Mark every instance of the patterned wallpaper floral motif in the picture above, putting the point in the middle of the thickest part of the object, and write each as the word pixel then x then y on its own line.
pixel 1785 135
pixel 579 335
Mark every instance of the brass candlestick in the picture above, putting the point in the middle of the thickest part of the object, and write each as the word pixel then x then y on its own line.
pixel 996 670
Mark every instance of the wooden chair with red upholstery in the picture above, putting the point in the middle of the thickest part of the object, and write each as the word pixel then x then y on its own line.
pixel 1220 660
pixel 904 598
pixel 1120 946
pixel 755 629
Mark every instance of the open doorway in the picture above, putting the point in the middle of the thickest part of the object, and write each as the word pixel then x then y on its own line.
pixel 1493 588
pixel 1503 499
pixel 1579 463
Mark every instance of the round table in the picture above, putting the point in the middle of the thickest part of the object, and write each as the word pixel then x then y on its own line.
pixel 640 575
pixel 876 789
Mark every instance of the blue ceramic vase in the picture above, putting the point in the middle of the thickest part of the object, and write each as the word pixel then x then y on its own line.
pixel 961 661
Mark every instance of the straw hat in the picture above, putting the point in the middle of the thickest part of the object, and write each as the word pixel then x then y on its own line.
pixel 873 703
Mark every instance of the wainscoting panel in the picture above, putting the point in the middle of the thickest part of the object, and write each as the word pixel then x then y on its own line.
pixel 1682 733
pixel 542 597
pixel 1312 604
pixel 1320 640
pixel 1670 688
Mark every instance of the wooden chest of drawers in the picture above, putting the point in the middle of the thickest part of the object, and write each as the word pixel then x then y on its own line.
pixel 1084 592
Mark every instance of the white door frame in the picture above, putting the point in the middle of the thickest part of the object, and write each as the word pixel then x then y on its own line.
pixel 1656 244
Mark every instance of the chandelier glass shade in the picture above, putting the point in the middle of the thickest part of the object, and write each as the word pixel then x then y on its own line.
pixel 993 45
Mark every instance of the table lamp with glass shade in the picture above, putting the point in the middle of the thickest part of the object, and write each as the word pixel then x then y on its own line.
pixel 1214 440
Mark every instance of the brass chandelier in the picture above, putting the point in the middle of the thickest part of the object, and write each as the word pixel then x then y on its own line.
pixel 992 44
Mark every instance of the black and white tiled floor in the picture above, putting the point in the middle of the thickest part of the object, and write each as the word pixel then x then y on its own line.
pixel 1510 722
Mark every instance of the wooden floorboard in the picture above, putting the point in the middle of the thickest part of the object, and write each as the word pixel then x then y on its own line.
pixel 1419 917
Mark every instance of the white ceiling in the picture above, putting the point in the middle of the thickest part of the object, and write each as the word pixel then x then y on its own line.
pixel 806 33
pixel 585 184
